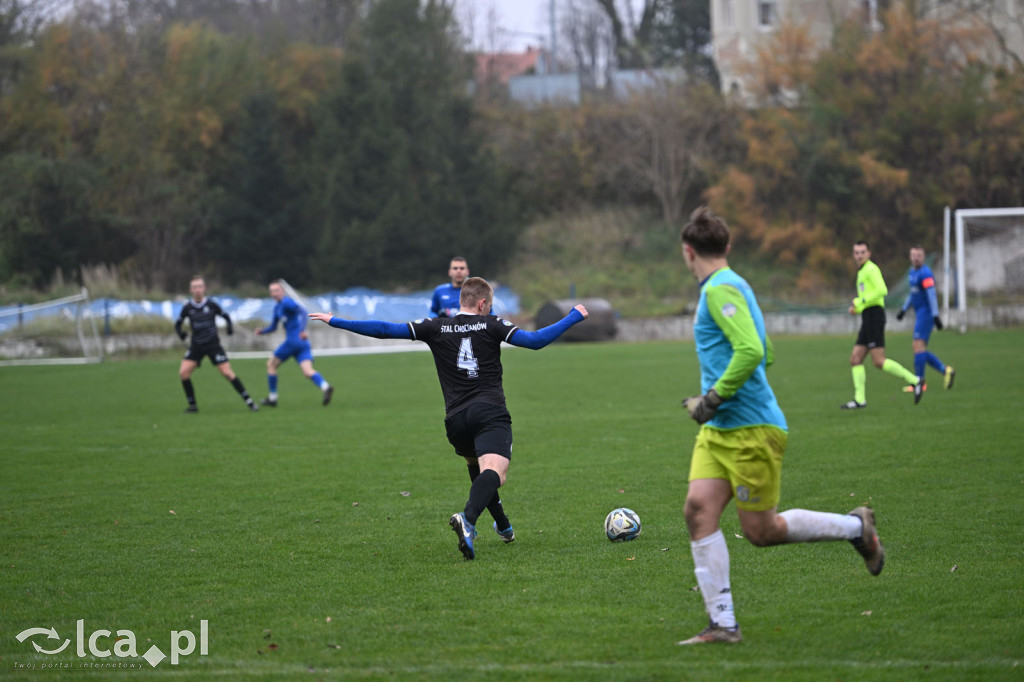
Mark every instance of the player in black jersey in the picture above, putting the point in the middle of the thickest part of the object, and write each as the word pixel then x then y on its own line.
pixel 467 355
pixel 202 312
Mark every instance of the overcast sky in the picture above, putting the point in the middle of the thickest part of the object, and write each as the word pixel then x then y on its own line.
pixel 512 25
pixel 505 25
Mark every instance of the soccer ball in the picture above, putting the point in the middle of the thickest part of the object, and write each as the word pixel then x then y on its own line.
pixel 622 524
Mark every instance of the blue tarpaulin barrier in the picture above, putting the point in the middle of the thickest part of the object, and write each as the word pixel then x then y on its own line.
pixel 355 304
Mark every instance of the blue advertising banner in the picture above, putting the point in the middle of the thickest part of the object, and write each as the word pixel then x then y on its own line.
pixel 355 304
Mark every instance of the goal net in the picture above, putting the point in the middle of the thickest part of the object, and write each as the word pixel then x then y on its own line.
pixel 61 331
pixel 985 277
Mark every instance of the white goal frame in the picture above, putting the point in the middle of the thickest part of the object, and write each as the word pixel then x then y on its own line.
pixel 80 302
pixel 961 257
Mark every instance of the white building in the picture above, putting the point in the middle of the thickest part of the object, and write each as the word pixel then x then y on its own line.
pixel 738 27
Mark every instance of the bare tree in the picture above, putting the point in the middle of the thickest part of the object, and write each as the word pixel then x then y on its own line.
pixel 632 35
pixel 20 21
pixel 588 33
pixel 1003 18
pixel 480 26
pixel 25 17
pixel 669 136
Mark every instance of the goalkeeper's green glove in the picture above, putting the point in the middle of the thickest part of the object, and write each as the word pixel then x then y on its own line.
pixel 702 407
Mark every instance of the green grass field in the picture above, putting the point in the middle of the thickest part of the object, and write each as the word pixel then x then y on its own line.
pixel 315 542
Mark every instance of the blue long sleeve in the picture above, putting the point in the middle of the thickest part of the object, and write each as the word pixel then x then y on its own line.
pixel 542 337
pixel 273 324
pixel 299 313
pixel 933 301
pixel 374 328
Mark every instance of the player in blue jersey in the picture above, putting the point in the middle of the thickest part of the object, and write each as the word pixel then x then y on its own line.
pixel 740 444
pixel 467 356
pixel 445 301
pixel 296 344
pixel 925 302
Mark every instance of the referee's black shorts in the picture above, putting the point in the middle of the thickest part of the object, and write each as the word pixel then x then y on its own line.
pixel 480 429
pixel 872 327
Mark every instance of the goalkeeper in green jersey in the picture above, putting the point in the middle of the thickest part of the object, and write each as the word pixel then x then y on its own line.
pixel 870 305
pixel 739 448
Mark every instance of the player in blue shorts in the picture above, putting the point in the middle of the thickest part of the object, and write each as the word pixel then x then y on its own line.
pixel 925 302
pixel 296 344
pixel 445 301
pixel 742 438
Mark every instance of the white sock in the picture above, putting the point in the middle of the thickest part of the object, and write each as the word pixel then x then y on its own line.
pixel 324 386
pixel 272 396
pixel 803 525
pixel 711 566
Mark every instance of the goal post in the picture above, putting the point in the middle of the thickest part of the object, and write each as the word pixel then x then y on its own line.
pixel 989 258
pixel 58 332
pixel 947 274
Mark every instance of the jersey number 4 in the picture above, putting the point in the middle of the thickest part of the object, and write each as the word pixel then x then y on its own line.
pixel 467 360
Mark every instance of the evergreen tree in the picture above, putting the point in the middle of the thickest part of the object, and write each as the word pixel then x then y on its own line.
pixel 49 221
pixel 402 182
pixel 259 232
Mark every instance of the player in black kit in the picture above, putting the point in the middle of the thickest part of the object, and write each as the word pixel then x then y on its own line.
pixel 467 355
pixel 202 313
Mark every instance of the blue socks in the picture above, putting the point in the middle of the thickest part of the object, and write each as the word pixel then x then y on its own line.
pixel 927 358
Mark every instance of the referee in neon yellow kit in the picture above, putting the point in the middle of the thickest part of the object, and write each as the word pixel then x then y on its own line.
pixel 870 305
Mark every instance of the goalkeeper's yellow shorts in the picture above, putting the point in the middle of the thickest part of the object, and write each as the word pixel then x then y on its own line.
pixel 750 458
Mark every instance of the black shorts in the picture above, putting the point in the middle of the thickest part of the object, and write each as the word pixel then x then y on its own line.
pixel 872 327
pixel 480 429
pixel 214 350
